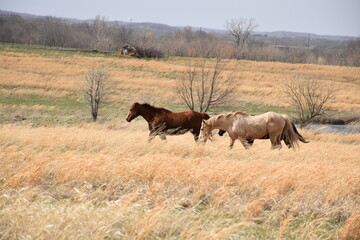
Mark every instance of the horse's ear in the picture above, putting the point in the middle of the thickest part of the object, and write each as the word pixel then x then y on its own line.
pixel 204 122
pixel 134 105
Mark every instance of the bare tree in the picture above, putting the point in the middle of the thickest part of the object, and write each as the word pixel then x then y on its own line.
pixel 185 87
pixel 99 32
pixel 309 98
pixel 121 35
pixel 240 30
pixel 53 31
pixel 204 88
pixel 97 85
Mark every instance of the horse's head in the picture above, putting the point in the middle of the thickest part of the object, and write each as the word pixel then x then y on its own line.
pixel 133 112
pixel 205 131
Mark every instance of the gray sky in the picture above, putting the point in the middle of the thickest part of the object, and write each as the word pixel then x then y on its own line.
pixel 330 17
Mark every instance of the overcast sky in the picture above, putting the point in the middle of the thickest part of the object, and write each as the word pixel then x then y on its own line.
pixel 330 17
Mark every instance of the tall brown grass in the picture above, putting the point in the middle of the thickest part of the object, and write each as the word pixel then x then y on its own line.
pixel 106 182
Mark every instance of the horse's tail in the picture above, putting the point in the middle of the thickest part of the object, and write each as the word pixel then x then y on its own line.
pixel 301 138
pixel 290 134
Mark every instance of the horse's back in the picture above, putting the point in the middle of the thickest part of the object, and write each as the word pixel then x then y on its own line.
pixel 267 117
pixel 255 119
pixel 273 118
pixel 187 115
pixel 185 120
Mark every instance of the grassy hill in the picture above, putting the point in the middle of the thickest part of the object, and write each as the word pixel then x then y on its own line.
pixel 44 85
pixel 64 177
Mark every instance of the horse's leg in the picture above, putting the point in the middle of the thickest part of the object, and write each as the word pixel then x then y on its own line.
pixel 250 141
pixel 232 140
pixel 278 142
pixel 196 137
pixel 162 136
pixel 244 143
pixel 221 132
pixel 152 135
pixel 275 141
pixel 286 141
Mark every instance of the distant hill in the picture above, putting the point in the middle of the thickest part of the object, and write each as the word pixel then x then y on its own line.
pixel 284 34
pixel 162 28
pixel 24 15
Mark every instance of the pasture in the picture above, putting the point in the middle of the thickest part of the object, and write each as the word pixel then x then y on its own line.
pixel 64 177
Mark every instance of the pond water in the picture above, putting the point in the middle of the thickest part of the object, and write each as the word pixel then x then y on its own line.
pixel 323 128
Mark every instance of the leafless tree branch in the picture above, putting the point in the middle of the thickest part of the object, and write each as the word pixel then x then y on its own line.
pixel 309 98
pixel 96 86
pixel 204 88
pixel 240 30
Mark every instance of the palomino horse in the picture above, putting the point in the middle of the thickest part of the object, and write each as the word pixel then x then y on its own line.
pixel 283 137
pixel 163 122
pixel 243 126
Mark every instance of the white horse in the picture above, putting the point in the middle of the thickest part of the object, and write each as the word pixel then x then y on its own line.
pixel 243 126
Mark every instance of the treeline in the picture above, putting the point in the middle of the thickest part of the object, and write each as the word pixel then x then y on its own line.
pixel 101 35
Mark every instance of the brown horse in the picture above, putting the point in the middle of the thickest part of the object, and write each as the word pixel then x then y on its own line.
pixel 163 122
pixel 243 126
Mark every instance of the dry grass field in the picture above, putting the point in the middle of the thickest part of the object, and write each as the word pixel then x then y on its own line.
pixel 64 177
pixel 54 74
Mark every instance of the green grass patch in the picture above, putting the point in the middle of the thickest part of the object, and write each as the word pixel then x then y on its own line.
pixel 39 110
pixel 52 51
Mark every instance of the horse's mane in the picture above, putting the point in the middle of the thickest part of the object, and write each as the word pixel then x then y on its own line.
pixel 226 116
pixel 241 113
pixel 153 108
